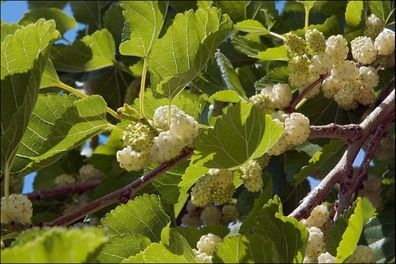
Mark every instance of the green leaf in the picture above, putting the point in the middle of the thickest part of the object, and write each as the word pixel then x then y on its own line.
pixel 249 135
pixel 229 75
pixel 257 206
pixel 112 86
pixel 351 235
pixel 158 253
pixel 322 111
pixel 8 29
pixel 331 26
pixel 246 249
pixel 92 52
pixel 145 19
pixel 183 52
pixel 322 161
pixel 89 12
pixel 177 251
pixel 277 75
pixel 167 184
pixel 58 123
pixel 50 77
pixel 62 20
pixel 120 247
pixel 274 54
pixel 228 96
pixel 249 44
pixel 382 9
pixel 235 9
pixel 379 234
pixel 353 13
pixel 20 81
pixel 57 245
pixel 142 215
pixel 251 26
pixel 287 234
pixel 114 22
pixel 40 4
pixel 343 236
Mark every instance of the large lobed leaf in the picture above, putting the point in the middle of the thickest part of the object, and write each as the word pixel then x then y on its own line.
pixel 62 20
pixel 145 20
pixel 243 133
pixel 92 52
pixel 56 245
pixel 143 215
pixel 183 52
pixel 24 55
pixel 58 123
pixel 285 237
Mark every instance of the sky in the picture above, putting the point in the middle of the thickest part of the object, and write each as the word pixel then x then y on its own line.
pixel 12 12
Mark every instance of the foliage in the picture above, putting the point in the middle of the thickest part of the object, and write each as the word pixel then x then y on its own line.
pixel 215 82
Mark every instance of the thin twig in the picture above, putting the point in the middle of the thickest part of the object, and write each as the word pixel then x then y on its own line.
pixel 294 103
pixel 344 166
pixel 69 189
pixel 121 195
pixel 350 133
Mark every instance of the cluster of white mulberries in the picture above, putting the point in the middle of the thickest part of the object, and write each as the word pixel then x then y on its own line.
pixel 192 217
pixel 142 146
pixel 271 97
pixel 206 246
pixel 251 176
pixel 315 245
pixel 174 136
pixel 297 130
pixel 349 82
pixel 89 172
pixel 362 254
pixel 210 215
pixel 19 209
pixel 216 186
pixel 64 179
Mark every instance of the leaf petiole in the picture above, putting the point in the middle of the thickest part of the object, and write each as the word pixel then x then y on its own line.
pixel 142 86
pixel 80 94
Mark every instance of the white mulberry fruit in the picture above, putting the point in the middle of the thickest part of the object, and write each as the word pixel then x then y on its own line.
pixel 315 40
pixel 385 42
pixel 368 77
pixel 132 160
pixel 326 258
pixel 166 146
pixel 337 48
pixel 251 176
pixel 208 243
pixel 319 216
pixel 297 129
pixel 374 26
pixel 88 172
pixel 345 71
pixel 19 210
pixel 331 86
pixel 363 50
pixel 210 215
pixel 64 179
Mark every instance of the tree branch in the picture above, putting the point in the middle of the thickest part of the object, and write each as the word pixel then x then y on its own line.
pixel 350 133
pixel 69 189
pixel 121 195
pixel 354 184
pixel 344 166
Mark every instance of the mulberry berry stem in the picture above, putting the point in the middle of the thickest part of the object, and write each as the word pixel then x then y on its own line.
pixel 121 195
pixel 80 94
pixel 297 100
